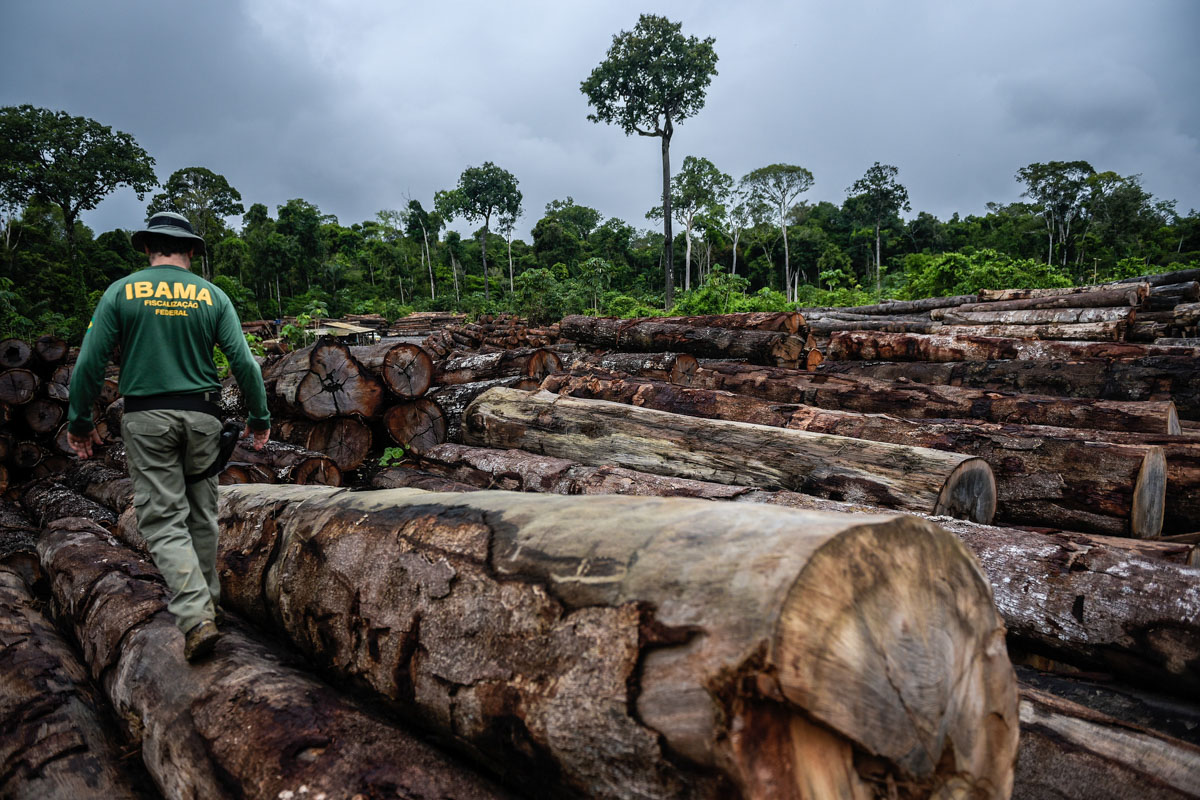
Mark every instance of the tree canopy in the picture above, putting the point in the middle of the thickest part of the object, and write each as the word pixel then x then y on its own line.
pixel 204 197
pixel 482 192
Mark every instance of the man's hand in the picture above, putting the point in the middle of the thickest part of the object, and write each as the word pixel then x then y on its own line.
pixel 260 437
pixel 82 445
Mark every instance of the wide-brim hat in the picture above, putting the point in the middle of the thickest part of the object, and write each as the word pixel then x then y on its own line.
pixel 168 223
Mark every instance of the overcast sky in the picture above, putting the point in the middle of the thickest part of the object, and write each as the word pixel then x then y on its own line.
pixel 358 106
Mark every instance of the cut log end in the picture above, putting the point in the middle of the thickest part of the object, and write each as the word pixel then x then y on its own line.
pixel 948 716
pixel 969 493
pixel 1149 496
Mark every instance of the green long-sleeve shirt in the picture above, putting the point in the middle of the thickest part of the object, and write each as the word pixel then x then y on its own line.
pixel 166 320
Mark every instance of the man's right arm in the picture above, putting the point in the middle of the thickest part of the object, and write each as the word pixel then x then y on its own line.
pixel 88 373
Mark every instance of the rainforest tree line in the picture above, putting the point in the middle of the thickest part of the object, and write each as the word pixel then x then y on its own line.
pixel 757 241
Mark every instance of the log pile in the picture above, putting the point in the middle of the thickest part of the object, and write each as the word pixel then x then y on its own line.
pixel 34 377
pixel 491 333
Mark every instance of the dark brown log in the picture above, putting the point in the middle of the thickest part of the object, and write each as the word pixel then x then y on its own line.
pixel 649 336
pixel 922 401
pixel 554 635
pixel 43 415
pixel 97 481
pixel 18 542
pixel 56 743
pixel 1034 316
pixel 336 386
pixel 26 455
pixel 245 722
pixel 114 413
pixel 408 477
pixel 14 354
pixel 114 457
pixel 50 351
pixel 1170 295
pixel 948 346
pixel 1151 378
pixel 346 440
pixel 240 472
pixel 785 321
pixel 1098 298
pixel 453 400
pixel 471 368
pixel 1115 489
pixel 1165 277
pixel 829 327
pixel 1190 342
pixel 417 425
pixel 5 413
pixel 109 392
pixel 1068 750
pixel 58 387
pixel 289 463
pixel 405 369
pixel 673 367
pixel 18 386
pixel 48 500
pixel 1146 331
pixel 892 307
pixel 6 442
pixel 598 432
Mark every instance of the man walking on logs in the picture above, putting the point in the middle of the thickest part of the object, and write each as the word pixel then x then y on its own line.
pixel 166 321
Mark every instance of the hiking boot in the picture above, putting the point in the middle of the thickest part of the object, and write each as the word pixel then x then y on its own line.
pixel 200 640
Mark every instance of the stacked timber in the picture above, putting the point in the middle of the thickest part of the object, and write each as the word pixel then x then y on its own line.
pixel 422 323
pixel 34 379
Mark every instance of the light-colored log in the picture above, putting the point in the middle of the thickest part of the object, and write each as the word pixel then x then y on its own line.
pixel 651 336
pixel 950 346
pixel 1036 316
pixel 1142 288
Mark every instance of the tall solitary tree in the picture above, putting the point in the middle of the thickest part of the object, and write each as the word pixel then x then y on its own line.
pixel 697 187
pixel 776 187
pixel 652 78
pixel 70 162
pixel 880 198
pixel 481 192
pixel 204 197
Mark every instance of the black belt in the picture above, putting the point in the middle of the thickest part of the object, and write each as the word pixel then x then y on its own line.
pixel 204 403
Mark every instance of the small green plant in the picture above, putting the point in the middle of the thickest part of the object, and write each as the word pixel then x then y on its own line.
pixel 222 362
pixel 392 455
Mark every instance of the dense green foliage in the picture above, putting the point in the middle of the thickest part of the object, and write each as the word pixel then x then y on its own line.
pixel 1080 226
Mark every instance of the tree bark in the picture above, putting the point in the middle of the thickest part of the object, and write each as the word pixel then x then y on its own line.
pixel 1165 278
pixel 48 500
pixel 1114 489
pixel 417 425
pixel 57 743
pixel 1068 750
pixel 408 477
pixel 18 386
pixel 781 321
pixel 246 722
pixel 651 336
pixel 1149 378
pixel 1098 298
pixel 922 401
pixel 868 346
pixel 585 659
pixel 598 432
pixel 337 386
pixel 473 367
pixel 1081 332
pixel 1034 316
pixel 346 440
pixel 985 295
pixel 100 483
pixel 453 400
pixel 830 327
pixel 58 387
pixel 288 463
pixel 676 368
pixel 405 369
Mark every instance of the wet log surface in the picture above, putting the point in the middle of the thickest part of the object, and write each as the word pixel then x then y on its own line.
pixel 527 362
pixel 1035 316
pixel 1175 378
pixel 453 400
pixel 405 369
pixel 554 634
pixel 949 346
pixel 243 723
pixel 785 321
pixel 100 483
pixel 48 500
pixel 672 367
pixel 1098 298
pixel 598 432
pixel 649 336
pixel 57 743
pixel 288 463
pixel 1068 750
pixel 918 401
pixel 1082 332
pixel 18 386
pixel 1115 489
pixel 417 425
pixel 346 440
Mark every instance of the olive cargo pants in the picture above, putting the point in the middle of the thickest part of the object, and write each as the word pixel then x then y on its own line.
pixel 178 520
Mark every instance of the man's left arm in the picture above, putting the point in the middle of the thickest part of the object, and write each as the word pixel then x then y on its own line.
pixel 88 375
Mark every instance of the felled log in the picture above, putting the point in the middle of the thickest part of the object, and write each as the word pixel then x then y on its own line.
pixel 828 327
pixel 1140 286
pixel 650 336
pixel 1189 342
pixel 1161 279
pixel 673 367
pixel 1035 316
pixel 950 346
pixel 14 353
pixel 453 400
pixel 923 401
pixel 18 386
pixel 554 635
pixel 1173 378
pixel 1170 295
pixel 289 463
pixel 892 307
pixel 241 472
pixel 43 415
pixel 528 362
pixel 1068 750
pixel 245 722
pixel 346 440
pixel 405 369
pixel 1115 489
pixel 25 454
pixel 417 425
pixel 398 477
pixel 49 468
pixel 100 483
pixel 48 500
pixel 1083 331
pixel 50 351
pixel 1097 298
pixel 58 387
pixel 599 432
pixel 786 321
pixel 56 743
pixel 323 381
